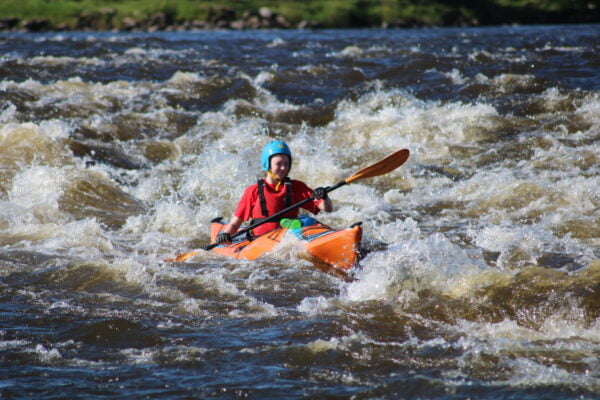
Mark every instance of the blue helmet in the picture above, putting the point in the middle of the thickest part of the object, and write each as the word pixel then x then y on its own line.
pixel 274 148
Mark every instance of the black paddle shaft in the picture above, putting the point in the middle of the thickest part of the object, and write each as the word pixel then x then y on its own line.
pixel 277 214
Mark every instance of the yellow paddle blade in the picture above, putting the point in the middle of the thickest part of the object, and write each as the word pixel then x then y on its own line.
pixel 384 166
pixel 182 257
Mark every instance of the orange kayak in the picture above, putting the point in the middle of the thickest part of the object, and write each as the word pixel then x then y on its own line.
pixel 324 246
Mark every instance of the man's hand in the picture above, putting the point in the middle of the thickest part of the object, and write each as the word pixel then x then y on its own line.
pixel 320 193
pixel 223 237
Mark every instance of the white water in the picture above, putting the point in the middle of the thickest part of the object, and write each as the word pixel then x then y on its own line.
pixel 487 197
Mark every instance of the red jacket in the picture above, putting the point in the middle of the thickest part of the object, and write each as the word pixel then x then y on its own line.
pixel 249 205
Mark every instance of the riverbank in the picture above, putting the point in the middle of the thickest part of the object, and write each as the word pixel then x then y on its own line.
pixel 152 15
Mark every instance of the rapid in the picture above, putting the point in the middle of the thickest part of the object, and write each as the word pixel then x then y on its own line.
pixel 481 273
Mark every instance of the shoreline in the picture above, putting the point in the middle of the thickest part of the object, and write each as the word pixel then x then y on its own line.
pixel 108 19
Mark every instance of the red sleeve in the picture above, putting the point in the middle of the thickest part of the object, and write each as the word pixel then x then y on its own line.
pixel 244 208
pixel 302 191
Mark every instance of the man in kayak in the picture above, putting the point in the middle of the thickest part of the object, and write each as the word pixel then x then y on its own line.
pixel 274 193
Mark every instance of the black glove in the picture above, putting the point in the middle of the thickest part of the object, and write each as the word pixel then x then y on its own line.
pixel 321 193
pixel 223 237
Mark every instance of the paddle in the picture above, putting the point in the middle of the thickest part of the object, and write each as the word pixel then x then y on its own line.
pixel 381 167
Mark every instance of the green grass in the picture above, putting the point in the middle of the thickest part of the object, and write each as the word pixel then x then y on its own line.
pixel 328 13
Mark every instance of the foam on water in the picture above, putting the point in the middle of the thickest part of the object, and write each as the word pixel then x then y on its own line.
pixel 38 189
pixel 392 120
pixel 526 354
pixel 50 61
pixel 313 305
pixel 412 262
pixel 456 77
pixel 85 238
pixel 31 144
pixel 173 218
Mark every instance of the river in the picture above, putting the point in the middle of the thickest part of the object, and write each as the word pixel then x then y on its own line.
pixel 481 277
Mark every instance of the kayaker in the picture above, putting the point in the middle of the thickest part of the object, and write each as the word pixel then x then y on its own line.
pixel 274 193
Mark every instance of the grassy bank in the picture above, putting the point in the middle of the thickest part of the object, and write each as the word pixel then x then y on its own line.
pixel 118 14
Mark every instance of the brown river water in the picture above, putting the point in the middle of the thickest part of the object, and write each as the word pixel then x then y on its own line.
pixel 481 278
